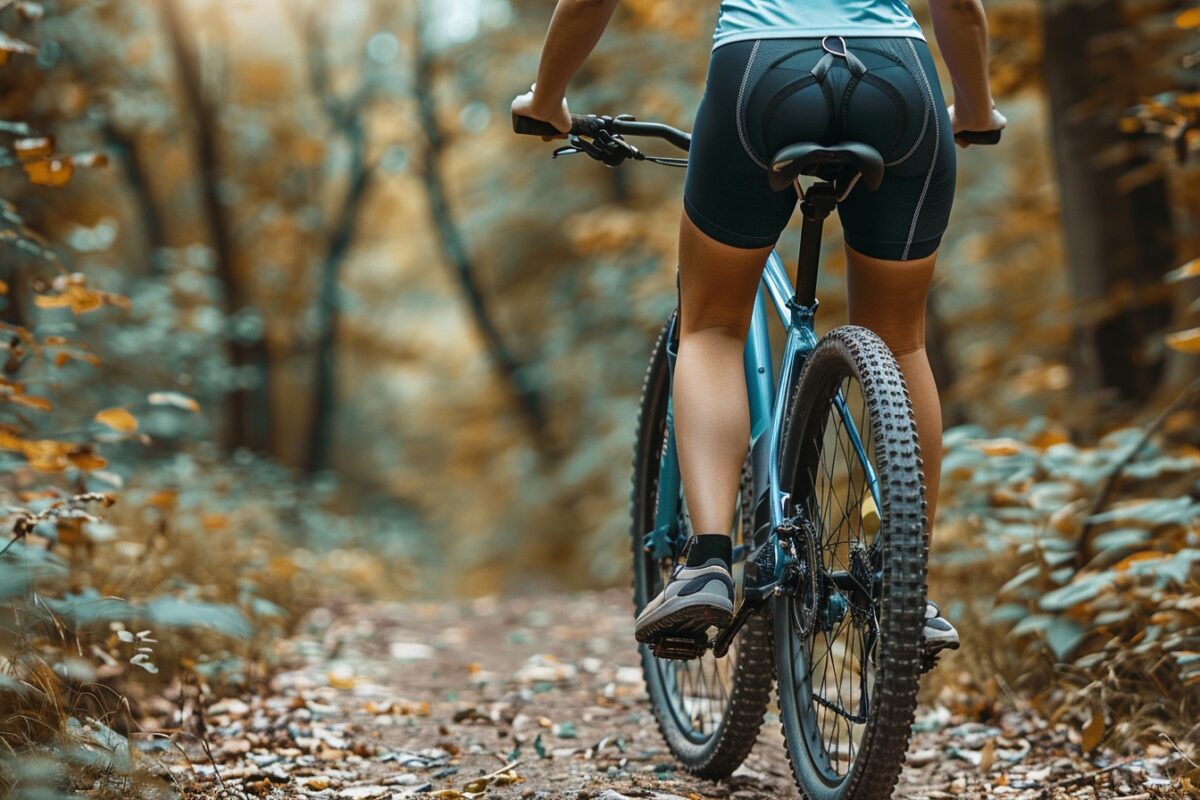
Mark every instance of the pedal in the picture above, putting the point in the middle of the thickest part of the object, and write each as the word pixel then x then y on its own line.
pixel 929 658
pixel 683 648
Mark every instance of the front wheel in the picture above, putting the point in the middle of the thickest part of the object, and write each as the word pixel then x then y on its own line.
pixel 848 643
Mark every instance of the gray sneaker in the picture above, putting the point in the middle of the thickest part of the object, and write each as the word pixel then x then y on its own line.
pixel 939 633
pixel 694 599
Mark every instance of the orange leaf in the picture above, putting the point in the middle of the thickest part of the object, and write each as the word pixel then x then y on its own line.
pixel 3 288
pixel 49 171
pixel 118 419
pixel 83 299
pixel 1189 270
pixel 63 356
pixel 1185 341
pixel 1093 731
pixel 1000 447
pixel 9 440
pixel 85 459
pixel 51 301
pixel 214 522
pixel 32 401
pixel 46 455
pixel 1144 555
pixel 1188 19
pixel 162 499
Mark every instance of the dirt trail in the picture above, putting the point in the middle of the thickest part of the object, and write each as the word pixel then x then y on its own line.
pixel 432 700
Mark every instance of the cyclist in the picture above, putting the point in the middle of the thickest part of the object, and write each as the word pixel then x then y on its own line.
pixel 781 72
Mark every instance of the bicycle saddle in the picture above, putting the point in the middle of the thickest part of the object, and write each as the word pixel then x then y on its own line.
pixel 829 163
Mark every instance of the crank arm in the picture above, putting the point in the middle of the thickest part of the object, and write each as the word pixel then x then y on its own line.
pixel 725 638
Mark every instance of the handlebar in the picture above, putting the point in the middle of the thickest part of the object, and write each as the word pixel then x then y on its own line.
pixel 591 125
pixel 607 133
pixel 978 137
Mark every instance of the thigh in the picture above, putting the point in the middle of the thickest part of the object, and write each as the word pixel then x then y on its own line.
pixel 717 282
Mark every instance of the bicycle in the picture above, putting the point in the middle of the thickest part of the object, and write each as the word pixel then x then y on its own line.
pixel 829 553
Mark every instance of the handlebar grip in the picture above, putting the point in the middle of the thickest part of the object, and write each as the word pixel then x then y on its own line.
pixel 536 127
pixel 978 137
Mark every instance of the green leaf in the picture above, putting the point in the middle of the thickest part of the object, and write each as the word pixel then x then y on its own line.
pixel 22 567
pixel 1153 512
pixel 1063 636
pixel 1119 539
pixel 1078 591
pixel 178 613
pixel 1008 612
pixel 89 608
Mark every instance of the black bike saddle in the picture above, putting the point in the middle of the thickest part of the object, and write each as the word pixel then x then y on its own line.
pixel 835 162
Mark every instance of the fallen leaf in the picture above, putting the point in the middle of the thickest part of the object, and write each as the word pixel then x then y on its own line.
pixel 987 756
pixel 1093 731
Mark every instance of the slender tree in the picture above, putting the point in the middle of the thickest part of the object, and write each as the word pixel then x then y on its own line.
pixel 453 244
pixel 346 117
pixel 248 423
pixel 1116 214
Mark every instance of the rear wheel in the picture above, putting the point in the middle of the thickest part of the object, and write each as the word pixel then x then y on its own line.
pixel 708 709
pixel 848 640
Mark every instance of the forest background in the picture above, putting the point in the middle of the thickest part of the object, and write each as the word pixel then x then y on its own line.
pixel 292 317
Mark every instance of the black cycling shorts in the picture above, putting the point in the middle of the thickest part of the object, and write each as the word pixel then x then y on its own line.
pixel 763 95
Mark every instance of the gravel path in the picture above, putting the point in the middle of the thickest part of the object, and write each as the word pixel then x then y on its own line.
pixel 433 700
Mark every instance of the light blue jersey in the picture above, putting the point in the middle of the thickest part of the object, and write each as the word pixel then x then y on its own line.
pixel 740 20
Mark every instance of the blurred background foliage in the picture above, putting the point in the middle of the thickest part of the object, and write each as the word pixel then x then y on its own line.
pixel 291 316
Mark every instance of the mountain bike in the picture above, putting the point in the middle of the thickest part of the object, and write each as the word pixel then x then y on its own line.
pixel 830 551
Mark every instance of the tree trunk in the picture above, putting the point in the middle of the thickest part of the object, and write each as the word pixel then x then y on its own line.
pixel 1115 210
pixel 454 250
pixel 324 410
pixel 154 235
pixel 248 423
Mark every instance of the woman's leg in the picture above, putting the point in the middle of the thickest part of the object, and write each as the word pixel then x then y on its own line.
pixel 717 285
pixel 888 297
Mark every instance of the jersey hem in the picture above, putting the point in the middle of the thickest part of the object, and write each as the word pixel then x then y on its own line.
pixel 809 33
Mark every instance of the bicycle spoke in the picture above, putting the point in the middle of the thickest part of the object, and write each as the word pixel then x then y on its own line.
pixel 838 657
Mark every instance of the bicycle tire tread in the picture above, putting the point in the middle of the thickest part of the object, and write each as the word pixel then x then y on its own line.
pixel 883 748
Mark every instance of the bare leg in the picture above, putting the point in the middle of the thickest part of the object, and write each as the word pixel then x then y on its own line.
pixel 717 284
pixel 888 297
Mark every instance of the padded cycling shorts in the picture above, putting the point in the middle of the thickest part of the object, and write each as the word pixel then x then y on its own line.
pixel 766 94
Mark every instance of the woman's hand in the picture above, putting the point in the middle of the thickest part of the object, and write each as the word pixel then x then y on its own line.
pixel 527 105
pixel 992 121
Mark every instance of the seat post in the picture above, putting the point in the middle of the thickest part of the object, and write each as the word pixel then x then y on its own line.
pixel 818 203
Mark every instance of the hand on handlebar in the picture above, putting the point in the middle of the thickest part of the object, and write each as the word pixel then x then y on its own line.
pixel 522 106
pixel 968 132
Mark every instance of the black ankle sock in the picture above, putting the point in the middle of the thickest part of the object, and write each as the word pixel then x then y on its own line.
pixel 708 546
